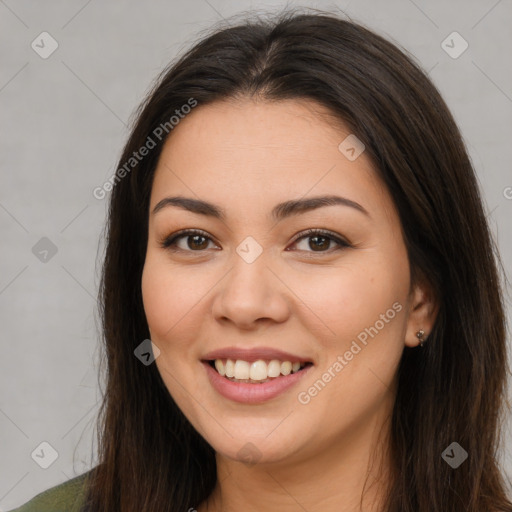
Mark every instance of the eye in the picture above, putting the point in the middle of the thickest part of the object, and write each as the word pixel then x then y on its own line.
pixel 321 239
pixel 197 240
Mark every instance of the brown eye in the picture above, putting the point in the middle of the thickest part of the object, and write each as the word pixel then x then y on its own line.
pixel 320 241
pixel 196 241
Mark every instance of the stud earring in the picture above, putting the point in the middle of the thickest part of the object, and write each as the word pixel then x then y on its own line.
pixel 420 335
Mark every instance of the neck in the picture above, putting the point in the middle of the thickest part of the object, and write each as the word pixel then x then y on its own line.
pixel 349 473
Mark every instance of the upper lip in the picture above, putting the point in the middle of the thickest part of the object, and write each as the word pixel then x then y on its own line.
pixel 253 354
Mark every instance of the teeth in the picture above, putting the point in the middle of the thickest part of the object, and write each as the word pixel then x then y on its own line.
pixel 274 368
pixel 286 368
pixel 242 369
pixel 230 368
pixel 257 371
pixel 219 366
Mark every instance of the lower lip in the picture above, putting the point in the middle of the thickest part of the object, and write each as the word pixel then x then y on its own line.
pixel 253 393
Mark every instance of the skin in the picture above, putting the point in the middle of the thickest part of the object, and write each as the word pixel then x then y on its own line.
pixel 246 156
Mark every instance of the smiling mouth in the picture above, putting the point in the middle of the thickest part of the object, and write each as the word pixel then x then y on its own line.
pixel 257 372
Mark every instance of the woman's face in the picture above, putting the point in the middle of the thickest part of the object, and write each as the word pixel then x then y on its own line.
pixel 252 282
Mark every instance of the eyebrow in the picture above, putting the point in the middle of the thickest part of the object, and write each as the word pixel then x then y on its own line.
pixel 279 212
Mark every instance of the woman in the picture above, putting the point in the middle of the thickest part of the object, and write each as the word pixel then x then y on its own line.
pixel 296 226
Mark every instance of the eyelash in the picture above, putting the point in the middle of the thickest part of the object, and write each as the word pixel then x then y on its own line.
pixel 169 242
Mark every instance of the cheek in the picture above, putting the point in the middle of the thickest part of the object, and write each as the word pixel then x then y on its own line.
pixel 364 304
pixel 157 299
pixel 365 307
pixel 168 296
pixel 354 298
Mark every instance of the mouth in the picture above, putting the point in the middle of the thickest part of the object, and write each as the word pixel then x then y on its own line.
pixel 256 372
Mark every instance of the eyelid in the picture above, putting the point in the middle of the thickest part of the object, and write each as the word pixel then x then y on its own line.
pixel 168 242
pixel 340 240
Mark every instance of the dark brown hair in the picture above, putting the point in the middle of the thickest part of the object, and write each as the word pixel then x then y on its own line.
pixel 453 389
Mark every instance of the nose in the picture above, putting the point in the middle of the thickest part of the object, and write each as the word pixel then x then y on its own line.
pixel 251 294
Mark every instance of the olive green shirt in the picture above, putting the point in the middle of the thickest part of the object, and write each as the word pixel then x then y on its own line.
pixel 66 497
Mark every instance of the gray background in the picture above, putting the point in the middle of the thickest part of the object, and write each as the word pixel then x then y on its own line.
pixel 63 123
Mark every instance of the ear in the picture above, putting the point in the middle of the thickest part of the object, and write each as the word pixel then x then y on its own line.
pixel 422 314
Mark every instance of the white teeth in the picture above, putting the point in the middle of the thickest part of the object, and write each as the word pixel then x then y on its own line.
pixel 256 371
pixel 274 368
pixel 219 366
pixel 241 369
pixel 230 368
pixel 286 368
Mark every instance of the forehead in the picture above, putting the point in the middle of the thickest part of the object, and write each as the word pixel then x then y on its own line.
pixel 291 129
pixel 246 150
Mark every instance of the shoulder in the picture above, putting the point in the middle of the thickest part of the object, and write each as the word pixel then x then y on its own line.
pixel 65 497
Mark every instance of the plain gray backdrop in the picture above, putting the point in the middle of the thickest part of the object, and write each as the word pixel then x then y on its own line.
pixel 63 122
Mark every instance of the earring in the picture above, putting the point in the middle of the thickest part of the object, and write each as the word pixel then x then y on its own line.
pixel 420 335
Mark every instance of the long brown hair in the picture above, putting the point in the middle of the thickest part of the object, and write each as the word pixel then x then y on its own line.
pixel 451 390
